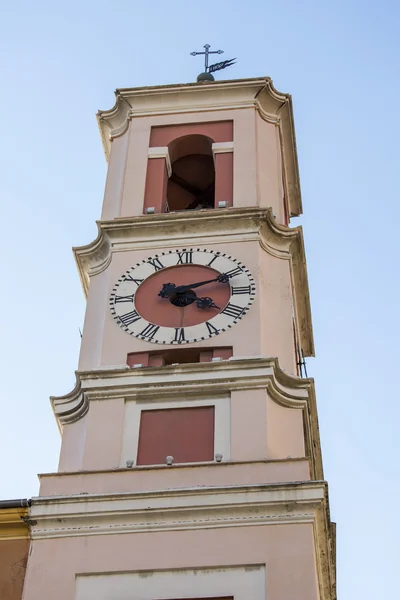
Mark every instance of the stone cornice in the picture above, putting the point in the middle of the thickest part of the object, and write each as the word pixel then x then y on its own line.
pixel 204 227
pixel 179 466
pixel 13 525
pixel 71 407
pixel 258 93
pixel 215 378
pixel 175 509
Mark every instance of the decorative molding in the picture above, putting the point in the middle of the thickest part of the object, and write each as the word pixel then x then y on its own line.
pixel 222 147
pixel 71 407
pixel 180 466
pixel 204 227
pixel 258 93
pixel 93 258
pixel 171 382
pixel 177 509
pixel 269 118
pixel 161 152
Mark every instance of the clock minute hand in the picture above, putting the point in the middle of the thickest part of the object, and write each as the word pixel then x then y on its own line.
pixel 184 288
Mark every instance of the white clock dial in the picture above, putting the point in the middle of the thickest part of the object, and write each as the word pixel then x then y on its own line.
pixel 182 296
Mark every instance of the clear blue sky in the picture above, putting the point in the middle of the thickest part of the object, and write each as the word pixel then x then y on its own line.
pixel 60 62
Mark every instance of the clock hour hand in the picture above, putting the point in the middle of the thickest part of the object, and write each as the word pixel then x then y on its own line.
pixel 206 302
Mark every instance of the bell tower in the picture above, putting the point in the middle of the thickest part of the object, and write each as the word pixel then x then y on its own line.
pixel 190 464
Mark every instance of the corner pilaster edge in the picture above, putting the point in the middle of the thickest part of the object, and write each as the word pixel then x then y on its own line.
pixel 276 107
pixel 288 242
pixel 281 394
pixel 302 293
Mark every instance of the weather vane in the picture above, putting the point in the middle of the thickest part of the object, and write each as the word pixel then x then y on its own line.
pixel 208 69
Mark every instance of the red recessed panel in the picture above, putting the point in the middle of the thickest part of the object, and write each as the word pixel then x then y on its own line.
pixel 187 434
pixel 218 131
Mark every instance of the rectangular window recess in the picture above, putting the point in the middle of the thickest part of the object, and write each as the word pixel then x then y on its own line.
pixel 176 435
pixel 178 356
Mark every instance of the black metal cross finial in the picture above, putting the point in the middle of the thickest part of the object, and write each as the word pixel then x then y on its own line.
pixel 206 55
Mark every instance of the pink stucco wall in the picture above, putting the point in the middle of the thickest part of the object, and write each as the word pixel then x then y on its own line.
pixel 287 551
pixel 269 168
pixel 224 178
pixel 115 178
pixel 276 310
pixel 156 185
pixel 285 437
pixel 152 478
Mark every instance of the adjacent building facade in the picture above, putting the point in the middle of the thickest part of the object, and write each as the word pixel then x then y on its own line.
pixel 14 547
pixel 190 464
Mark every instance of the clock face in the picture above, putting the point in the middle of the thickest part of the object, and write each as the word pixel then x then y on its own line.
pixel 182 296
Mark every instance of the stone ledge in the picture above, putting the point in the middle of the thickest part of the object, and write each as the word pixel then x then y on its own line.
pixel 188 508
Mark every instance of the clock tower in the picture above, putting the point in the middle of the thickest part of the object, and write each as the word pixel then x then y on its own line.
pixel 190 464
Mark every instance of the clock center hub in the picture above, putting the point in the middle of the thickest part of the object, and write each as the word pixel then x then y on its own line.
pixel 184 299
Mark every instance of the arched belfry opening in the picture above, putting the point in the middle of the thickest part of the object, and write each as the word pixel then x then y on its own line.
pixel 191 185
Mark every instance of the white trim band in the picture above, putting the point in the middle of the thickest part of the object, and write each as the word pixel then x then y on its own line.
pixel 161 152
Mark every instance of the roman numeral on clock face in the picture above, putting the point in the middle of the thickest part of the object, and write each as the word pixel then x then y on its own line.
pixel 130 278
pixel 123 299
pixel 211 329
pixel 149 331
pixel 185 258
pixel 232 310
pixel 179 334
pixel 212 260
pixel 156 263
pixel 245 289
pixel 129 318
pixel 234 272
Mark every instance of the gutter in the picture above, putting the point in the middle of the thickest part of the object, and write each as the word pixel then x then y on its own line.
pixel 21 503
